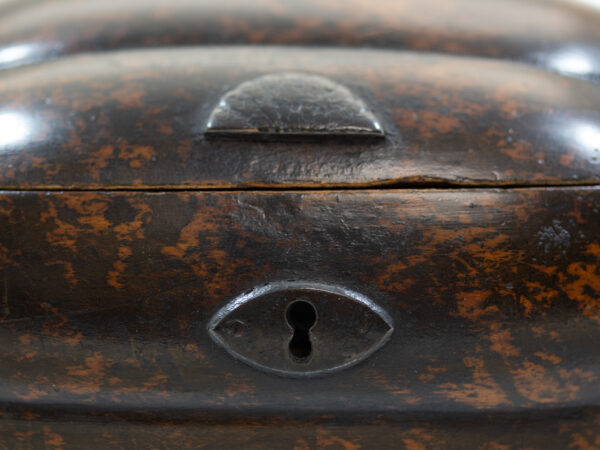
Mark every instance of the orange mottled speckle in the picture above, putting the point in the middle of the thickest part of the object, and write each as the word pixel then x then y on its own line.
pixel 502 343
pixel 53 439
pixel 483 392
pixel 587 279
pixel 327 440
pixel 470 304
pixel 550 358
pixel 534 382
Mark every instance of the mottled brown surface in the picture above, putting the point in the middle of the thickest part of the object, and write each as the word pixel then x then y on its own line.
pixel 123 229
pixel 576 432
pixel 494 296
pixel 546 33
pixel 137 120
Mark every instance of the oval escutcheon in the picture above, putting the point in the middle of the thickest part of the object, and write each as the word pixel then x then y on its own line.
pixel 301 329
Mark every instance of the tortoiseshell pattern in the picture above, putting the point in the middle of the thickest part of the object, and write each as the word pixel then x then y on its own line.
pixel 137 120
pixel 474 223
pixel 494 296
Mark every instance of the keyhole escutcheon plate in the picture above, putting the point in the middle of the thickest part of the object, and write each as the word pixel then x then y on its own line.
pixel 301 329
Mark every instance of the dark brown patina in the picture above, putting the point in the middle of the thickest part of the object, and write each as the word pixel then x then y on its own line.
pixel 460 245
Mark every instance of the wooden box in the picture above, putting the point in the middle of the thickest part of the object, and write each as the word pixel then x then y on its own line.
pixel 179 179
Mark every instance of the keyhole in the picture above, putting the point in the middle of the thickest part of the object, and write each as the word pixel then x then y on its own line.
pixel 301 316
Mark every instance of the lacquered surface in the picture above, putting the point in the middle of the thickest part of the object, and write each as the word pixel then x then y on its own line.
pixel 575 431
pixel 493 293
pixel 137 120
pixel 561 36
pixel 106 295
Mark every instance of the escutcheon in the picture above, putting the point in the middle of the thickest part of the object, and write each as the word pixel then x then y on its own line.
pixel 301 329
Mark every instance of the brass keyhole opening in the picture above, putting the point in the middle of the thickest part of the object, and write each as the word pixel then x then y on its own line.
pixel 301 316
